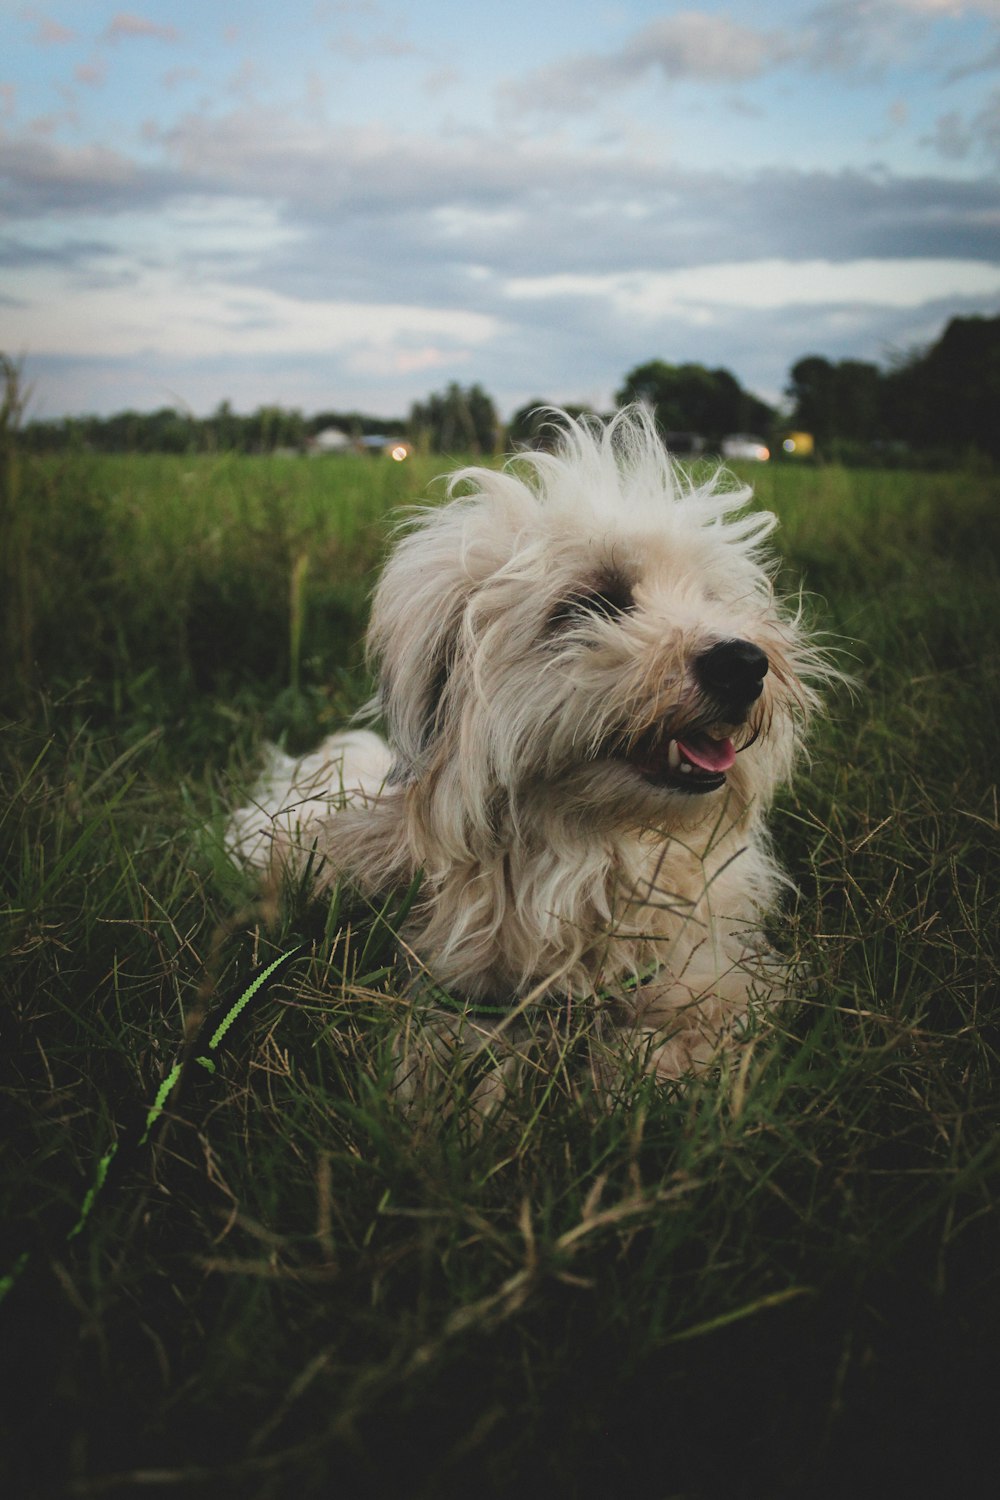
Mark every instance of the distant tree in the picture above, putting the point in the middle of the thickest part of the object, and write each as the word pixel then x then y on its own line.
pixel 167 431
pixel 837 402
pixel 812 392
pixel 171 431
pixel 271 427
pixel 692 398
pixel 483 418
pixel 533 426
pixel 456 420
pixel 861 400
pixel 355 423
pixel 948 396
pixel 224 429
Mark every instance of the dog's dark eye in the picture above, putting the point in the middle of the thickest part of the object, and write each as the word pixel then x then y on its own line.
pixel 607 598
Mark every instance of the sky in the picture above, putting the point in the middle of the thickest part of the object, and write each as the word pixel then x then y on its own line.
pixel 348 204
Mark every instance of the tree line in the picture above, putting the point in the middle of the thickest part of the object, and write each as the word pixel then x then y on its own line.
pixel 168 430
pixel 943 399
pixel 937 403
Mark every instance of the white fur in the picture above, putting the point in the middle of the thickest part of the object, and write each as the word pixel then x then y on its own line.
pixel 293 795
pixel 551 862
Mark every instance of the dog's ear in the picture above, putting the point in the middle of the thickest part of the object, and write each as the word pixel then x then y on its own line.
pixel 415 709
pixel 414 643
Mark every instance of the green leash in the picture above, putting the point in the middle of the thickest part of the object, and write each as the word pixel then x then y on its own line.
pixel 205 1060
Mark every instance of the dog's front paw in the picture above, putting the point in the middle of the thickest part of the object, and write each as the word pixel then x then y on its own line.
pixel 689 1050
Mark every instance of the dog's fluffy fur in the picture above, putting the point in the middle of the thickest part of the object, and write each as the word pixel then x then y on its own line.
pixel 590 694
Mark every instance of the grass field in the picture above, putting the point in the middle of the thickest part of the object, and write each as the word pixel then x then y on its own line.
pixel 783 1283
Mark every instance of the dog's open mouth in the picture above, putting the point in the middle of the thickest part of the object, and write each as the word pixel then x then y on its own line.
pixel 698 762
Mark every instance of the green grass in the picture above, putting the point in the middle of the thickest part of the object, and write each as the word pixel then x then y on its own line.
pixel 779 1283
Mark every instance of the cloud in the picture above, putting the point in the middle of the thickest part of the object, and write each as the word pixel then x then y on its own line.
pixel 484 198
pixel 17 253
pixel 953 9
pixel 367 208
pixel 52 34
pixel 690 45
pixel 40 177
pixel 94 74
pixel 363 49
pixel 126 27
pixel 701 294
pixel 984 62
pixel 951 137
pixel 561 351
pixel 693 46
pixel 160 310
pixel 957 137
pixel 851 38
pixel 174 77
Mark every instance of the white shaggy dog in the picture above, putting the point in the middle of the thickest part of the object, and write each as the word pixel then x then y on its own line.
pixel 590 694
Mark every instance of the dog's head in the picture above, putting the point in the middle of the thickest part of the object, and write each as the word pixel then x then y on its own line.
pixel 590 634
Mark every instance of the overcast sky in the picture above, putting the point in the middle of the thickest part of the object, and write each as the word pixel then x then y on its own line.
pixel 350 203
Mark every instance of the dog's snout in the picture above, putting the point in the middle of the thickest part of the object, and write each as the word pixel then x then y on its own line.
pixel 733 672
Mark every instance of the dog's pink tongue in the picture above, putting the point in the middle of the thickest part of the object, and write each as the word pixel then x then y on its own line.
pixel 709 754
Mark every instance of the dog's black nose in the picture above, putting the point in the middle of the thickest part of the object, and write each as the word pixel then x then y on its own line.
pixel 733 672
